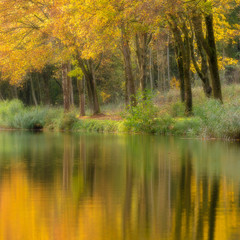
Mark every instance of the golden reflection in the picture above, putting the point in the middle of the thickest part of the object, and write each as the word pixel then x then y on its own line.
pixel 103 193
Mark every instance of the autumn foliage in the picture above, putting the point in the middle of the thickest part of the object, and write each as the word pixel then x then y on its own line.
pixel 80 34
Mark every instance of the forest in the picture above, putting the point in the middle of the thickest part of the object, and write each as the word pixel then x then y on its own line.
pixel 156 66
pixel 119 119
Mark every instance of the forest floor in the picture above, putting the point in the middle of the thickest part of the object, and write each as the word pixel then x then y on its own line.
pixel 103 116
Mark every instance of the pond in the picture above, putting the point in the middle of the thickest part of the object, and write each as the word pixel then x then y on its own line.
pixel 107 187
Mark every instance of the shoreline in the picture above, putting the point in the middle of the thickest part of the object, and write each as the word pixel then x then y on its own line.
pixel 211 120
pixel 117 127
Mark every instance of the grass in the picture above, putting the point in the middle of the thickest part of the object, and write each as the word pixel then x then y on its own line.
pixel 211 119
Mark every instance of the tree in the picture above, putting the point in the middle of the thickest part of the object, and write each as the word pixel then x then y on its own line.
pixel 182 41
pixel 209 46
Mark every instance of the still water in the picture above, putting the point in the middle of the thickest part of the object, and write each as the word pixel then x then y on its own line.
pixel 106 187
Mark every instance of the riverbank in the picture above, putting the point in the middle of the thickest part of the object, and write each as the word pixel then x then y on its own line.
pixel 210 119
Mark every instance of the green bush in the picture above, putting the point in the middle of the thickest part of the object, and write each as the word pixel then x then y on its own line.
pixel 187 126
pixel 67 121
pixel 178 109
pixel 53 118
pixel 29 119
pixel 8 111
pixel 218 120
pixel 143 116
pixel 164 125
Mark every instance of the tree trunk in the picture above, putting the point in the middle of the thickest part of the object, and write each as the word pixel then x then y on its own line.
pixel 158 71
pixel 150 68
pixel 33 91
pixel 65 87
pixel 212 58
pixel 128 67
pixel 141 50
pixel 70 85
pixel 46 78
pixel 15 91
pixel 39 90
pixel 126 87
pixel 1 96
pixel 210 49
pixel 88 71
pixel 90 77
pixel 168 60
pixel 183 44
pixel 187 80
pixel 203 72
pixel 81 91
pixel 181 72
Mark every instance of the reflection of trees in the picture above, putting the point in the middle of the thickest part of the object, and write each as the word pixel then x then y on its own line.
pixel 213 208
pixel 202 207
pixel 127 201
pixel 120 188
pixel 68 156
pixel 190 222
pixel 183 198
pixel 147 191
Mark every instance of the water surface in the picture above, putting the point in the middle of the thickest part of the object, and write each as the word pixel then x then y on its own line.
pixel 107 187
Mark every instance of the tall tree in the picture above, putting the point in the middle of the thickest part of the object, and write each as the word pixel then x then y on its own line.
pixel 209 46
pixel 182 41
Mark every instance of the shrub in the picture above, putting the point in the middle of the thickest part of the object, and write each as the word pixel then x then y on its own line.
pixel 29 119
pixel 67 121
pixel 164 125
pixel 143 116
pixel 178 109
pixel 8 111
pixel 53 118
pixel 93 125
pixel 187 126
pixel 221 121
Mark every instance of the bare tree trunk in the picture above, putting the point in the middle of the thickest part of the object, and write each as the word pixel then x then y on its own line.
pixel 93 87
pixel 184 46
pixel 142 42
pixel 150 68
pixel 46 79
pixel 39 90
pixel 70 85
pixel 33 91
pixel 168 60
pixel 65 87
pixel 210 49
pixel 187 80
pixel 158 70
pixel 203 72
pixel 15 92
pixel 181 72
pixel 1 96
pixel 212 57
pixel 128 67
pixel 81 91
pixel 126 87
pixel 89 73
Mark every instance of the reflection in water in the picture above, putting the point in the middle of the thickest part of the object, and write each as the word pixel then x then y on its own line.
pixel 62 186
